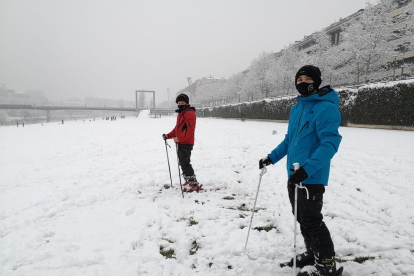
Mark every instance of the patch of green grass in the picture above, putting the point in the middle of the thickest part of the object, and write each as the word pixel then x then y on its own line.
pixel 193 222
pixel 265 228
pixel 168 254
pixel 243 207
pixel 360 260
pixel 228 198
pixel 194 247
pixel 339 260
pixel 258 209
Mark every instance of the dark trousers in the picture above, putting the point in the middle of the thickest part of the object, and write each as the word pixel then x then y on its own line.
pixel 314 231
pixel 184 155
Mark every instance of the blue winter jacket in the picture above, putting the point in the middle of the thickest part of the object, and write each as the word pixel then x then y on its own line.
pixel 313 137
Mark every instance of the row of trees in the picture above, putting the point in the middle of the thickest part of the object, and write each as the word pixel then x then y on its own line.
pixel 367 44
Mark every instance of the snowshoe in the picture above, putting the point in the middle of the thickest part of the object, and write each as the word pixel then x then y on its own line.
pixel 322 267
pixel 191 184
pixel 304 259
pixel 193 188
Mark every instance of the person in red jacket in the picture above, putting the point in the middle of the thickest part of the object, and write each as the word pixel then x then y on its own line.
pixel 183 135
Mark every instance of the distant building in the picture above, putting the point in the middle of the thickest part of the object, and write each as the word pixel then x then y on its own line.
pixel 207 80
pixel 308 44
pixel 192 88
pixel 37 97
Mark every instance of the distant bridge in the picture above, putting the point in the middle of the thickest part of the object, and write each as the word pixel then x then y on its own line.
pixel 51 107
pixel 154 111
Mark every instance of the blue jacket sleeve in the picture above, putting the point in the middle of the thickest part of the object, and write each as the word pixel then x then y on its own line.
pixel 329 137
pixel 280 151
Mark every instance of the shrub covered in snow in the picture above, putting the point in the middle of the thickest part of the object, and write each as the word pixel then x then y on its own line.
pixel 375 104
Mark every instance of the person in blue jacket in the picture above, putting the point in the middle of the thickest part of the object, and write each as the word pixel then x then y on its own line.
pixel 312 140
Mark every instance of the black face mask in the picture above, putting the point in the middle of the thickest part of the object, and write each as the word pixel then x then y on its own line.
pixel 305 89
pixel 181 108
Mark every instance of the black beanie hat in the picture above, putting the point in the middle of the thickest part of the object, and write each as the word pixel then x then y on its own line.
pixel 182 97
pixel 310 71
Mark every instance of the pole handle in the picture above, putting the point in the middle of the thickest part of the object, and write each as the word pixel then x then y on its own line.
pixel 296 166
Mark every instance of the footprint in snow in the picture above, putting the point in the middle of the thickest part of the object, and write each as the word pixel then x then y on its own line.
pixel 130 211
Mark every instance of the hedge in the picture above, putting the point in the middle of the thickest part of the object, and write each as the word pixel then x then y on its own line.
pixel 389 104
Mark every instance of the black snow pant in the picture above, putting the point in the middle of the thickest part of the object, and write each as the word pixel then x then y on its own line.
pixel 314 231
pixel 184 155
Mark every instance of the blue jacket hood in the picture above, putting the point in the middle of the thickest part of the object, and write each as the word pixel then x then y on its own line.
pixel 326 93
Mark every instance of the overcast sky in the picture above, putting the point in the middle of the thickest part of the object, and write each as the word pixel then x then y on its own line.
pixel 110 48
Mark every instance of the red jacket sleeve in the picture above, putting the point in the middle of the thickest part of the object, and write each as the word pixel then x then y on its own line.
pixel 173 132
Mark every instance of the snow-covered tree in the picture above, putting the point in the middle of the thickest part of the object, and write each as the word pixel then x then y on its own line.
pixel 259 73
pixel 212 93
pixel 283 70
pixel 235 86
pixel 249 90
pixel 3 117
pixel 367 38
pixel 322 56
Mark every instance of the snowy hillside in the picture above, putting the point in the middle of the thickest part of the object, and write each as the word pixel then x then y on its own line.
pixel 86 198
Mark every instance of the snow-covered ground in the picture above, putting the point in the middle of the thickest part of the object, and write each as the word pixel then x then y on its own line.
pixel 86 198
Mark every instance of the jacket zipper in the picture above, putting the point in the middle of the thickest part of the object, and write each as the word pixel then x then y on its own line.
pixel 178 127
pixel 306 124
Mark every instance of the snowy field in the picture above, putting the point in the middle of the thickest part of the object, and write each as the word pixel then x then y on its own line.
pixel 86 198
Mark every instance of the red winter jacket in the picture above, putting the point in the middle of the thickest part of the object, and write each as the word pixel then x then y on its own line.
pixel 185 126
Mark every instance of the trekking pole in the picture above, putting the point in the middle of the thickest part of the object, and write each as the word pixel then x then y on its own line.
pixel 262 172
pixel 168 159
pixel 296 167
pixel 179 172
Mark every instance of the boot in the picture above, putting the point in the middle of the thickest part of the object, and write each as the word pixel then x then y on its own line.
pixel 324 266
pixel 304 259
pixel 191 184
pixel 187 182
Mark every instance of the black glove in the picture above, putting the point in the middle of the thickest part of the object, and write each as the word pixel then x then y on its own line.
pixel 165 136
pixel 297 176
pixel 264 162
